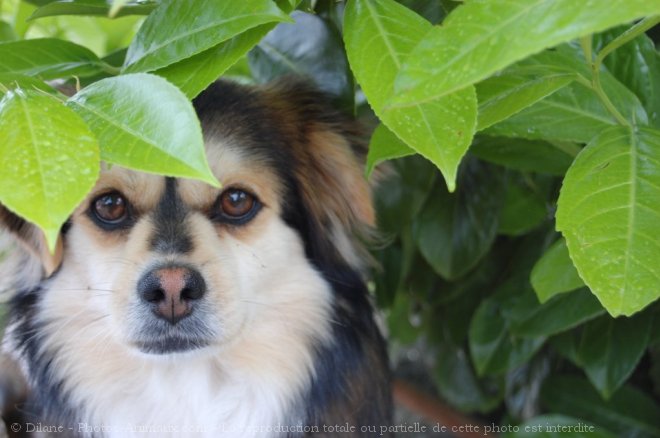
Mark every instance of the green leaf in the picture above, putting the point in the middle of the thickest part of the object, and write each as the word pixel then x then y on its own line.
pixel 48 58
pixel 311 48
pixel 573 113
pixel 454 303
pixel 378 36
pixel 450 57
pixel 145 123
pixel 92 7
pixel 524 207
pixel 48 159
pixel 502 96
pixel 610 350
pixel 557 426
pixel 6 32
pixel 560 313
pixel 11 81
pixel 555 273
pixel 629 413
pixel 454 231
pixel 192 75
pixel 38 2
pixel 400 197
pixel 637 65
pixel 391 259
pixel 493 348
pixel 458 384
pixel 525 155
pixel 609 214
pixel 385 145
pixel 191 28
pixel 404 325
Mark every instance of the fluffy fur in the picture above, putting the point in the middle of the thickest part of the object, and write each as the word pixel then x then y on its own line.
pixel 282 343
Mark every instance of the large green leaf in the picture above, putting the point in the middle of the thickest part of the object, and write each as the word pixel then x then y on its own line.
pixel 177 30
pixel 628 414
pixel 192 75
pixel 555 273
pixel 524 206
pixel 385 145
pixel 525 155
pixel 482 37
pixel 311 48
pixel 573 113
pixel 504 95
pixel 378 36
pixel 557 426
pixel 49 159
pixel 92 7
pixel 11 81
pixel 145 123
pixel 610 349
pixel 609 214
pixel 48 58
pixel 454 231
pixel 563 312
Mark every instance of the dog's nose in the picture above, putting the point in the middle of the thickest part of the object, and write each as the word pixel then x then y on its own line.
pixel 172 291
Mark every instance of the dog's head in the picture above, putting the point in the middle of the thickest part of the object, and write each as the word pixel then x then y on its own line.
pixel 166 265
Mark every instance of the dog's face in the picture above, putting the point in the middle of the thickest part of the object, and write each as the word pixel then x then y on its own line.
pixel 178 264
pixel 167 265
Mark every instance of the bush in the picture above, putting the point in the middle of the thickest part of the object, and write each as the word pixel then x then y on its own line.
pixel 511 120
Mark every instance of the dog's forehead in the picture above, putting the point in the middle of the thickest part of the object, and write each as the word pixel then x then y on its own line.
pixel 234 164
pixel 231 162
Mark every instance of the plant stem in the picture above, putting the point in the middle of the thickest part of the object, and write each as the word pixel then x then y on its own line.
pixel 586 44
pixel 596 64
pixel 110 69
pixel 626 37
pixel 595 82
pixel 598 88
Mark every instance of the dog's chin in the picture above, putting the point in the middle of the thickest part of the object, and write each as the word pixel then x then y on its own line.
pixel 170 344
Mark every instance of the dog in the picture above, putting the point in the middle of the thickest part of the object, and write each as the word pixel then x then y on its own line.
pixel 178 309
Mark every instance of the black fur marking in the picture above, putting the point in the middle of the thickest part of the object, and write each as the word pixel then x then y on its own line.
pixel 351 380
pixel 48 403
pixel 66 226
pixel 170 232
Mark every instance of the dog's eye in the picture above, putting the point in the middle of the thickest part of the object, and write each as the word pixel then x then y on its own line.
pixel 111 208
pixel 237 205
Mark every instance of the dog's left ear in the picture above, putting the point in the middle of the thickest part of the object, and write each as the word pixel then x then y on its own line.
pixel 329 151
pixel 32 239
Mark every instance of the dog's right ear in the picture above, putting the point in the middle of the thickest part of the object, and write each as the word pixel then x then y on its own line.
pixel 32 239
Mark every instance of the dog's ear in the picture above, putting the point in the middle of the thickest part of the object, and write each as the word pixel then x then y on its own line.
pixel 32 239
pixel 336 194
pixel 329 150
